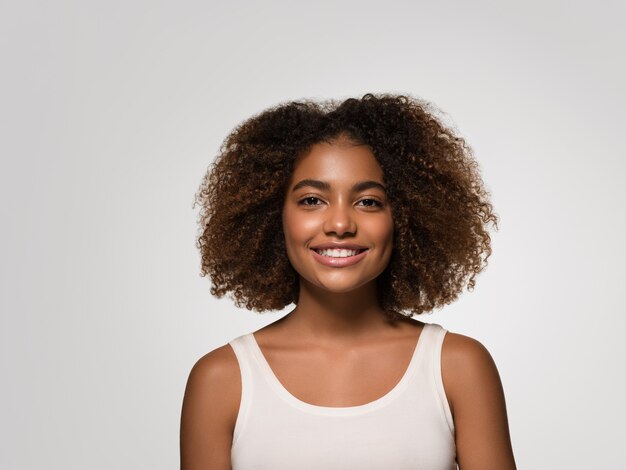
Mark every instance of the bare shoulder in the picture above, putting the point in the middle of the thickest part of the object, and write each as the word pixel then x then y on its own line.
pixel 456 344
pixel 216 380
pixel 476 397
pixel 466 363
pixel 218 365
pixel 210 408
pixel 460 351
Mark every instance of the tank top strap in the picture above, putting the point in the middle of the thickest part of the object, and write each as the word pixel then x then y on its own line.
pixel 432 344
pixel 245 359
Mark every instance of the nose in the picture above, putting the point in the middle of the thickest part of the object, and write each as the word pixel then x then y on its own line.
pixel 340 221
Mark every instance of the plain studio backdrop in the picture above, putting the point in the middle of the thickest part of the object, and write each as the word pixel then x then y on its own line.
pixel 112 111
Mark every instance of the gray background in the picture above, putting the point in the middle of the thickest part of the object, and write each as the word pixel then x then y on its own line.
pixel 112 111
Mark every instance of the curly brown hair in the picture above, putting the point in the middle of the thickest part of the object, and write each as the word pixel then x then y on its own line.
pixel 439 203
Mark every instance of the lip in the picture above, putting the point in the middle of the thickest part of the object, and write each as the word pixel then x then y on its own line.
pixel 338 246
pixel 339 262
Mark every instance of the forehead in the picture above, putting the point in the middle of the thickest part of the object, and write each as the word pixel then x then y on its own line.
pixel 337 162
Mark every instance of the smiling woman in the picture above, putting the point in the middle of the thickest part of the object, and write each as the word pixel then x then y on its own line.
pixel 336 214
pixel 363 214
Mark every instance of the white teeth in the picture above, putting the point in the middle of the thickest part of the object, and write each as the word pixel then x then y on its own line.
pixel 335 253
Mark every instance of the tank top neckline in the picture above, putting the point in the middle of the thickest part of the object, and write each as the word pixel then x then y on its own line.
pixel 292 400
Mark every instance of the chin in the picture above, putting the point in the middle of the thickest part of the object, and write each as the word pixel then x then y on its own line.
pixel 344 287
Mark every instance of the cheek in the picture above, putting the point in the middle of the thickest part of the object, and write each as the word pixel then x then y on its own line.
pixel 298 226
pixel 297 231
pixel 381 230
pixel 294 232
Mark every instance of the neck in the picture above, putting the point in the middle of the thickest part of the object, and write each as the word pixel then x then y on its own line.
pixel 331 316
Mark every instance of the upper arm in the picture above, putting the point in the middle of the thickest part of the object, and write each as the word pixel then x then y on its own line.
pixel 476 398
pixel 209 411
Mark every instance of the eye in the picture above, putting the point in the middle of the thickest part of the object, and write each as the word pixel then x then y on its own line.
pixel 309 201
pixel 370 203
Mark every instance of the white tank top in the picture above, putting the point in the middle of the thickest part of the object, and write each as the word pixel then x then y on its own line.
pixel 410 427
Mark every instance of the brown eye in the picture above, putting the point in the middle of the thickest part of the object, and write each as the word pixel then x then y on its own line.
pixel 370 203
pixel 309 201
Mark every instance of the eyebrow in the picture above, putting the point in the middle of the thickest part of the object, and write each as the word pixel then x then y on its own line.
pixel 324 186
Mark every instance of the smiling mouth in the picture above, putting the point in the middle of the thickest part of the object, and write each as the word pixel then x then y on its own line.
pixel 339 253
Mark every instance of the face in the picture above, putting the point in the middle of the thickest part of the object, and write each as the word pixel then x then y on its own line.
pixel 337 219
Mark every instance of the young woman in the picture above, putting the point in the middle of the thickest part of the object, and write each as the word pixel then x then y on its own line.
pixel 363 214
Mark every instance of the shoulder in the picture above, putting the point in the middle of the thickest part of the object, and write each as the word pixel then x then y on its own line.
pixel 210 408
pixel 218 364
pixel 467 367
pixel 476 397
pixel 215 375
pixel 461 350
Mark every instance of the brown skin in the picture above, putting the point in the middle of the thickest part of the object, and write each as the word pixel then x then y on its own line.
pixel 338 301
pixel 339 330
